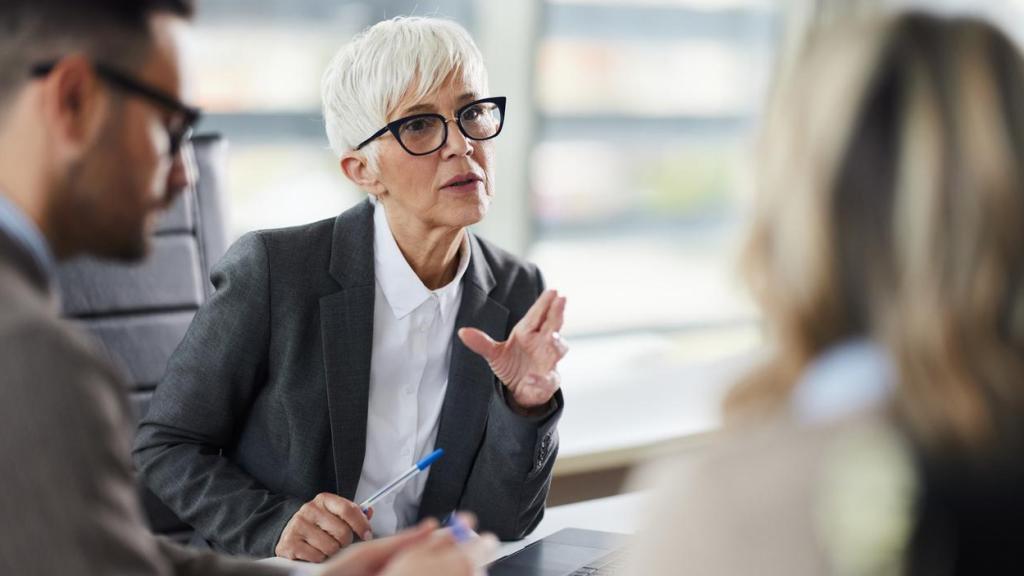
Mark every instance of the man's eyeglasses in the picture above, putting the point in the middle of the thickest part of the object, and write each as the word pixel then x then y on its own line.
pixel 423 134
pixel 183 118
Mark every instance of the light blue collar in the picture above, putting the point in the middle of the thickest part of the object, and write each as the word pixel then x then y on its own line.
pixel 847 378
pixel 20 228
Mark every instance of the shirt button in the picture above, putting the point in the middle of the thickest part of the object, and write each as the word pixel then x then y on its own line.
pixel 409 391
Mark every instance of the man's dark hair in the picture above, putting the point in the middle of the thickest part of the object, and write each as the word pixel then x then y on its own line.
pixel 115 32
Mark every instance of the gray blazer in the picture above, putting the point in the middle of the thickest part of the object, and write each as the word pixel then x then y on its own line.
pixel 264 403
pixel 68 502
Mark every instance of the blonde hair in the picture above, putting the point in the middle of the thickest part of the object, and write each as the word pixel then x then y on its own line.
pixel 405 58
pixel 891 205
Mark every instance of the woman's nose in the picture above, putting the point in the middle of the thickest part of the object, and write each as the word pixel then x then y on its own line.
pixel 457 144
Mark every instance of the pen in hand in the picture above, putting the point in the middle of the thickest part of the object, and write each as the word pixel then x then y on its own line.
pixel 401 480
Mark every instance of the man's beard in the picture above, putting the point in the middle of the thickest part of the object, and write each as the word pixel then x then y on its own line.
pixel 87 224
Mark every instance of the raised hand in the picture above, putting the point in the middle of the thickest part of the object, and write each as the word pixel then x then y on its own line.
pixel 527 362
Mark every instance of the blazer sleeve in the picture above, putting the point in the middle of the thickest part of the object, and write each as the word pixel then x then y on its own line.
pixel 508 484
pixel 211 382
pixel 68 488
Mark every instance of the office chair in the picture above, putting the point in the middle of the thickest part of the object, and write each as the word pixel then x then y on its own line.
pixel 139 313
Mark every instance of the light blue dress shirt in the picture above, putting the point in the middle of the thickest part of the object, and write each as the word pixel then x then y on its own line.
pixel 847 378
pixel 18 227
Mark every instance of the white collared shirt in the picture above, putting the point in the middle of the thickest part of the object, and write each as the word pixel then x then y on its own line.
pixel 412 343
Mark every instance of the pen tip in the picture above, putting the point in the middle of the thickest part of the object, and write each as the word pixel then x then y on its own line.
pixel 430 459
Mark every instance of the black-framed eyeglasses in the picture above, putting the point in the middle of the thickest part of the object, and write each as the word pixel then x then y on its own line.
pixel 183 118
pixel 422 134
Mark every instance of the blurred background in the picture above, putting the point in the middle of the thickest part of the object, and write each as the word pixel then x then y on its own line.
pixel 623 171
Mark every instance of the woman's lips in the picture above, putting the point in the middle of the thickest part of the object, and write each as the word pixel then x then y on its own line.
pixel 465 186
pixel 463 183
pixel 462 179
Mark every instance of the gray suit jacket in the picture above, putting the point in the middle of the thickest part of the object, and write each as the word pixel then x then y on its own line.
pixel 68 503
pixel 264 404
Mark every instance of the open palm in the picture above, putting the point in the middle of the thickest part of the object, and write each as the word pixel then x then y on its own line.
pixel 527 362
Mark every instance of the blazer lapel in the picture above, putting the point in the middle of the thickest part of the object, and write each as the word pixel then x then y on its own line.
pixel 470 389
pixel 346 323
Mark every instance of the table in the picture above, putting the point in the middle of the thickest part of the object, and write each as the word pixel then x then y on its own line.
pixel 612 514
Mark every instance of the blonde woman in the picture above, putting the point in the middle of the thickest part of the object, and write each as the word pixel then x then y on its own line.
pixel 883 435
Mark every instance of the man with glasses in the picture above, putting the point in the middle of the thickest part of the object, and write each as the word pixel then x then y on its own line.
pixel 335 355
pixel 92 126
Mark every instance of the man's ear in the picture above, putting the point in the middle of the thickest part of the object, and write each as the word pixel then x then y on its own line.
pixel 74 106
pixel 357 169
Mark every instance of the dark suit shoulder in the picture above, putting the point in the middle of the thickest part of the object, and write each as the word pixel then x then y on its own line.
pixel 319 234
pixel 276 253
pixel 512 274
pixel 297 257
pixel 298 236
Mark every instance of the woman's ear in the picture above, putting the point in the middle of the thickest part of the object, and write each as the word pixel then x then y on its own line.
pixel 357 169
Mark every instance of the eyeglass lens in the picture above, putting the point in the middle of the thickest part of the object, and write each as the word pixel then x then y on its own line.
pixel 424 134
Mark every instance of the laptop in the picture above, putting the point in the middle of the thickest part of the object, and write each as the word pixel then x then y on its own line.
pixel 568 552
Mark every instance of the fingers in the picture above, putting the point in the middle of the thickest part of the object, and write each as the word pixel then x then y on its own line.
pixel 307 553
pixel 348 511
pixel 556 316
pixel 450 555
pixel 550 330
pixel 468 519
pixel 328 522
pixel 316 537
pixel 370 557
pixel 407 537
pixel 437 557
pixel 481 549
pixel 537 313
pixel 321 527
pixel 303 540
pixel 479 342
pixel 558 343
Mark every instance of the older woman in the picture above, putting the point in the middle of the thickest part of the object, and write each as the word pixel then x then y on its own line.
pixel 326 363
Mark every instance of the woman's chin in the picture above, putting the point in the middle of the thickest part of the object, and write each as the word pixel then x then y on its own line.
pixel 466 210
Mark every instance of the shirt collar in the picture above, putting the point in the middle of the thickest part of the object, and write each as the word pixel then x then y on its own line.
pixel 19 228
pixel 402 288
pixel 845 379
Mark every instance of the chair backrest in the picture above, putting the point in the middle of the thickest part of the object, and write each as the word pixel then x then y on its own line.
pixel 140 312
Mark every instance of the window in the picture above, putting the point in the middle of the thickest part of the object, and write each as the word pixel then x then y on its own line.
pixel 259 67
pixel 623 171
pixel 646 115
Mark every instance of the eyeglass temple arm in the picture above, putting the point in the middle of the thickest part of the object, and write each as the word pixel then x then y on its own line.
pixel 376 135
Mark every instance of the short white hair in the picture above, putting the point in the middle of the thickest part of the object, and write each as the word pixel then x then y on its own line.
pixel 394 59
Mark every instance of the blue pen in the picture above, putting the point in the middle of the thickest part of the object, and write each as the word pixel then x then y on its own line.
pixel 398 482
pixel 460 531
